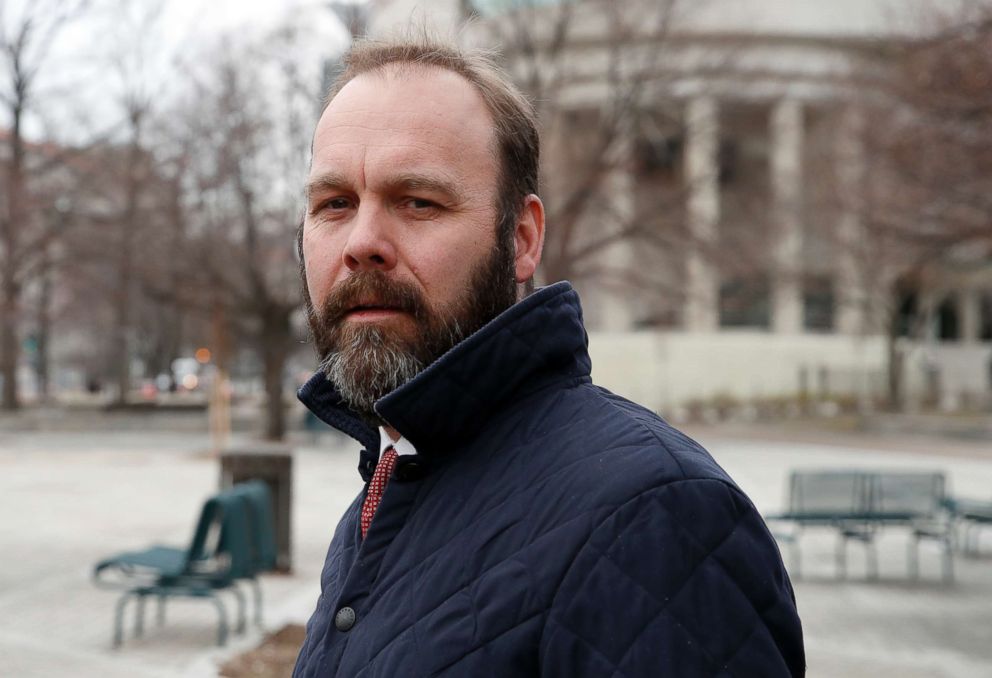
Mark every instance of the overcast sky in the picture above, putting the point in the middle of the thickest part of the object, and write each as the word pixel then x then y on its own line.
pixel 81 79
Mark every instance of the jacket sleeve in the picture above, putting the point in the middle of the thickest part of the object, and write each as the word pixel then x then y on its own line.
pixel 682 580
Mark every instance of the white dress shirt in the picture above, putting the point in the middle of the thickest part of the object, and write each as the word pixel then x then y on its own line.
pixel 402 446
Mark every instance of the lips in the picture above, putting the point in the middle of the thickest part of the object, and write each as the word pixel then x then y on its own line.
pixel 371 295
pixel 372 306
pixel 371 311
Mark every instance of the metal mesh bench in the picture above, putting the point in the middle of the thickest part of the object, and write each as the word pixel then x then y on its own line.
pixel 858 504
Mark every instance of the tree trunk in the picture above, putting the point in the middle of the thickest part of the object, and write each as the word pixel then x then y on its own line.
pixel 275 411
pixel 275 342
pixel 44 322
pixel 9 345
pixel 129 226
pixel 894 368
pixel 122 321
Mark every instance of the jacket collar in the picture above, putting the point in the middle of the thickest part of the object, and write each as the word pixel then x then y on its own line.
pixel 537 341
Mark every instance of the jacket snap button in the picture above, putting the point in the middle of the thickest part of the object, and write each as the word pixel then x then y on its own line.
pixel 344 619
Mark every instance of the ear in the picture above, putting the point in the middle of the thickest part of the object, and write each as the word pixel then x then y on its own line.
pixel 528 238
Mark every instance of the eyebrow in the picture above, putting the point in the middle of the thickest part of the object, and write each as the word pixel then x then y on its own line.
pixel 424 182
pixel 328 181
pixel 331 181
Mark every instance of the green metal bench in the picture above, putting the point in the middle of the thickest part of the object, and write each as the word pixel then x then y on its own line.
pixel 233 541
pixel 917 501
pixel 825 498
pixel 859 504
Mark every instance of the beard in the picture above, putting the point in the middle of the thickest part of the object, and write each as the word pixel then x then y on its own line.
pixel 365 361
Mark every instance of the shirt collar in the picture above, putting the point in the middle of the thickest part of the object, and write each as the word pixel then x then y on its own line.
pixel 402 446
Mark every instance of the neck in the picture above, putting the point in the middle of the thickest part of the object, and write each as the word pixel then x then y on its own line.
pixel 394 435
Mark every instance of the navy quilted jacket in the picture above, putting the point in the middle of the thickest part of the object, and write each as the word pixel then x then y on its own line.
pixel 546 527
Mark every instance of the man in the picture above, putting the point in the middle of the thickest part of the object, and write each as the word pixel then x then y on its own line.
pixel 517 520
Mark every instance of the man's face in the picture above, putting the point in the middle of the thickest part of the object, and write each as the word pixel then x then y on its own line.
pixel 399 237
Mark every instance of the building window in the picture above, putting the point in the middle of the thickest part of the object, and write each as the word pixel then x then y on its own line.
pixel 818 303
pixel 745 302
pixel 659 156
pixel 985 318
pixel 907 307
pixel 728 160
pixel 948 328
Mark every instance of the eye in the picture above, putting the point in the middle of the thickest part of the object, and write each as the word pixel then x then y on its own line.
pixel 420 207
pixel 420 203
pixel 336 204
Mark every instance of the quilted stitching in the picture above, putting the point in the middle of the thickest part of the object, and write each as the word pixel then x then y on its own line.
pixel 480 575
pixel 489 547
pixel 604 555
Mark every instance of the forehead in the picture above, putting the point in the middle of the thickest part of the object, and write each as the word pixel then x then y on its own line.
pixel 406 115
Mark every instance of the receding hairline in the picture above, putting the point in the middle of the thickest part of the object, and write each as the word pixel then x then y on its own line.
pixel 397 69
pixel 480 67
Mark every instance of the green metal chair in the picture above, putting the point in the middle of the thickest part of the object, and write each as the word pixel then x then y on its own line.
pixel 263 548
pixel 233 541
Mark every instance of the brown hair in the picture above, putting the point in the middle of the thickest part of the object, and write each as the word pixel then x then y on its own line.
pixel 514 121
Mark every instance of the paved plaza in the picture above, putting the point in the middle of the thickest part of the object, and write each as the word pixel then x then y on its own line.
pixel 68 499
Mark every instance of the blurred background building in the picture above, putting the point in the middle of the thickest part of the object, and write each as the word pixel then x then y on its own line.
pixel 720 184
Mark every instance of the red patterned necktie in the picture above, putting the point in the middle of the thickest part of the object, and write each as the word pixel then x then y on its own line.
pixel 383 470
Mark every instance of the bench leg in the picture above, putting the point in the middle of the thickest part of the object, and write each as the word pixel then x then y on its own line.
pixel 912 558
pixel 222 623
pixel 965 540
pixel 242 611
pixel 139 616
pixel 257 589
pixel 119 619
pixel 841 556
pixel 948 562
pixel 160 610
pixel 871 555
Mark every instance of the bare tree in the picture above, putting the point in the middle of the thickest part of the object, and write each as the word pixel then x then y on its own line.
pixel 136 173
pixel 604 79
pixel 929 154
pixel 27 34
pixel 249 115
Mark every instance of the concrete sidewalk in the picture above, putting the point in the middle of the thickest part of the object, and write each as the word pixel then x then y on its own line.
pixel 69 499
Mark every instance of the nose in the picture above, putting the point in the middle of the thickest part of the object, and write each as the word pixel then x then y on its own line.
pixel 370 245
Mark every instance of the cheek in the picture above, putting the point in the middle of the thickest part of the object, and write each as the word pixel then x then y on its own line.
pixel 444 267
pixel 321 267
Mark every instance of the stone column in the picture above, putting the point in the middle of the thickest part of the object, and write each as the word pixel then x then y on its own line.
pixel 786 193
pixel 969 304
pixel 617 310
pixel 702 172
pixel 851 283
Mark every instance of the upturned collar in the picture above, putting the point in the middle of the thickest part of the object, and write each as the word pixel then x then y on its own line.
pixel 536 342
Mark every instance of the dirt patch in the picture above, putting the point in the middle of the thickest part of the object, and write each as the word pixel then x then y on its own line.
pixel 273 658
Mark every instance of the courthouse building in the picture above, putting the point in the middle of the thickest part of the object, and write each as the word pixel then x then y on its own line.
pixel 746 143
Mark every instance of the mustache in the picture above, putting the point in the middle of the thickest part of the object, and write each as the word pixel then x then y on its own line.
pixel 371 289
